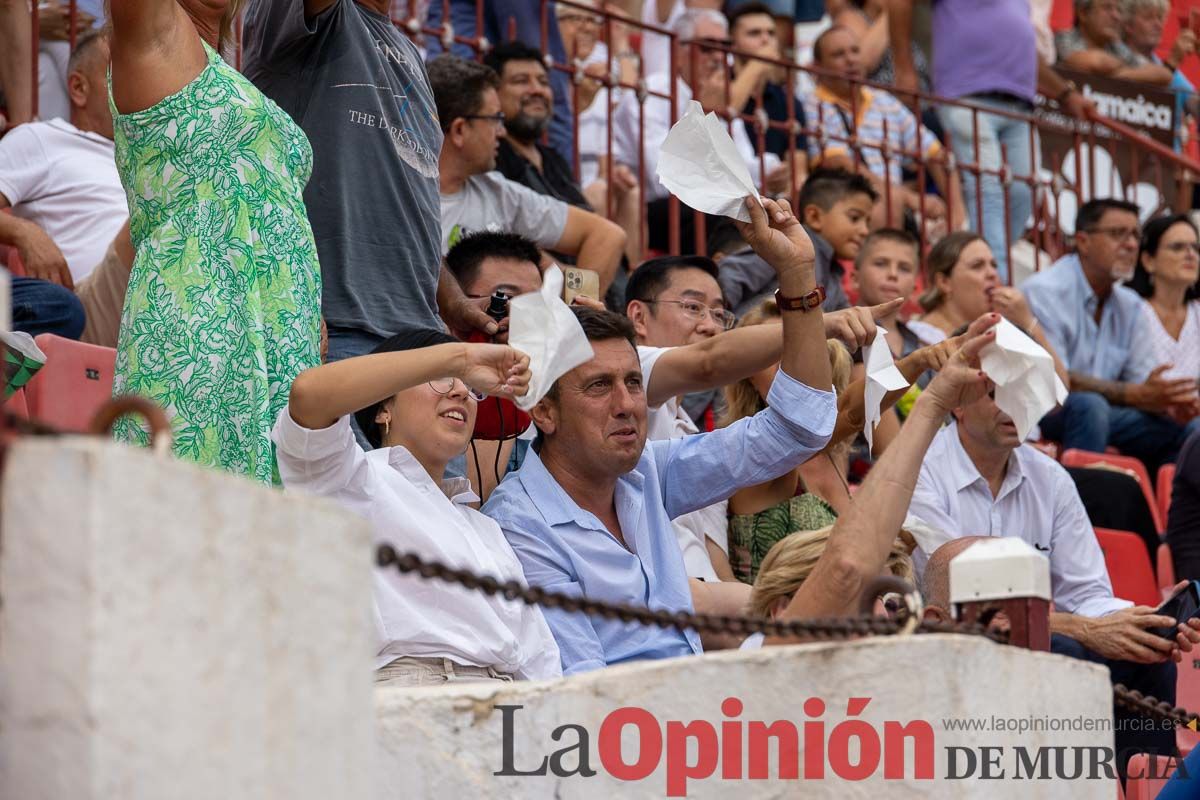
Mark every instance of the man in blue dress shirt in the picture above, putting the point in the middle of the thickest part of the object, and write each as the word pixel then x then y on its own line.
pixel 589 512
pixel 1092 320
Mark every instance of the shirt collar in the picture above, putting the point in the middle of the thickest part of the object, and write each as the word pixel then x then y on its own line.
pixel 551 499
pixel 1090 300
pixel 965 473
pixel 456 490
pixel 864 98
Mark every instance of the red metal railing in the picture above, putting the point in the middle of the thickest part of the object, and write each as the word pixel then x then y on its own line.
pixel 1072 175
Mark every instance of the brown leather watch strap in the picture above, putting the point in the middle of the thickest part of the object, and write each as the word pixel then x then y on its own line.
pixel 805 302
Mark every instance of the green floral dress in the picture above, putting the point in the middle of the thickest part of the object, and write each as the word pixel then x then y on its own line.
pixel 223 306
pixel 752 535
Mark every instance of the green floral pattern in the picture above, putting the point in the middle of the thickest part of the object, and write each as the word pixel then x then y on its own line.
pixel 223 308
pixel 752 535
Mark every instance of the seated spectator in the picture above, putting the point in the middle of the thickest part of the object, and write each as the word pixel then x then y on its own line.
pixel 791 560
pixel 415 398
pixel 589 512
pixel 852 122
pixel 487 262
pixel 962 282
pixel 1094 45
pixel 60 179
pixel 592 101
pixel 753 29
pixel 694 27
pixel 886 270
pixel 761 515
pixel 1143 32
pixel 1103 630
pixel 835 207
pixel 53 56
pixel 1119 395
pixel 1183 518
pixel 527 103
pixel 475 198
pixel 500 21
pixel 43 307
pixel 1167 276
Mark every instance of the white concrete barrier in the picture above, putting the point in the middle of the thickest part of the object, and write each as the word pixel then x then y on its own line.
pixel 173 632
pixel 681 735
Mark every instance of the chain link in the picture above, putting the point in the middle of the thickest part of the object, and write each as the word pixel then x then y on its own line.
pixel 811 629
pixel 833 628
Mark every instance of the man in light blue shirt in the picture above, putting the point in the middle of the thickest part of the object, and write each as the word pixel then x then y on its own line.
pixel 589 512
pixel 1091 321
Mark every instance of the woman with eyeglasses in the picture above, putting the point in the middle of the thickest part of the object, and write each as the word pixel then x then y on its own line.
pixel 1167 275
pixel 415 398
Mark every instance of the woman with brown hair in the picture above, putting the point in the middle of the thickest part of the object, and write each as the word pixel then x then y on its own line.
pixel 962 283
pixel 223 306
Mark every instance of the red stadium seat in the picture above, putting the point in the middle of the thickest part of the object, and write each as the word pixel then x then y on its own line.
pixel 1129 567
pixel 1166 477
pixel 1148 774
pixel 1187 695
pixel 1165 569
pixel 17 405
pixel 1127 464
pixel 76 380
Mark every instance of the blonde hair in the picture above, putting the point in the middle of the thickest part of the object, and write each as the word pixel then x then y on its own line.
pixel 743 400
pixel 791 560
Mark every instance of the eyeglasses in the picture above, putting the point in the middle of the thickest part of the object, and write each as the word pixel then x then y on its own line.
pixel 1117 234
pixel 694 309
pixel 445 386
pixel 495 119
pixel 1179 248
pixel 582 19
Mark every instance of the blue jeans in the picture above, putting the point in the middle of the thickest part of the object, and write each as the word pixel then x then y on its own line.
pixel 348 343
pixel 44 307
pixel 995 132
pixel 1133 733
pixel 1088 422
pixel 527 15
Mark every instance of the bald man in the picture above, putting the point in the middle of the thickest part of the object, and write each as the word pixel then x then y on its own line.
pixel 1153 678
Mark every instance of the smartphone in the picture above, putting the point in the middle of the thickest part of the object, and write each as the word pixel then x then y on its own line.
pixel 1183 605
pixel 577 281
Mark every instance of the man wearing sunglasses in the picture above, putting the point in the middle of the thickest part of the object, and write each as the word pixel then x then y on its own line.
pixel 1092 320
pixel 475 198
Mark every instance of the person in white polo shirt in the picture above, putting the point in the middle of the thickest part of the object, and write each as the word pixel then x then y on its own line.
pixel 60 179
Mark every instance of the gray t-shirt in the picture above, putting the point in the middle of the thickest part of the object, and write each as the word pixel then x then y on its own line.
pixel 491 202
pixel 359 90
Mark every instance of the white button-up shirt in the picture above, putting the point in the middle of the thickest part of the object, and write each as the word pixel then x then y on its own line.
pixel 414 617
pixel 657 112
pixel 1037 502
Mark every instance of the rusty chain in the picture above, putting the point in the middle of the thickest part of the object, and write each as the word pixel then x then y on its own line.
pixel 835 628
pixel 818 629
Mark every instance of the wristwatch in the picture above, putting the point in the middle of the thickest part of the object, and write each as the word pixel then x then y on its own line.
pixel 805 302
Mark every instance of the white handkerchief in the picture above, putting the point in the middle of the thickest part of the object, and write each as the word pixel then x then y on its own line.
pixel 1027 387
pixel 700 164
pixel 882 377
pixel 543 327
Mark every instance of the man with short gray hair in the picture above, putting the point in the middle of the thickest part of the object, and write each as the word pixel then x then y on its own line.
pixel 1094 45
pixel 1143 32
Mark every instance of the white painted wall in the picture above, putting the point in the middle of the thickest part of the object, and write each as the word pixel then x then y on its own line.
pixel 173 632
pixel 445 742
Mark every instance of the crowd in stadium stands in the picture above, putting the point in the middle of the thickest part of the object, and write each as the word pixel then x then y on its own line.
pixel 212 226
